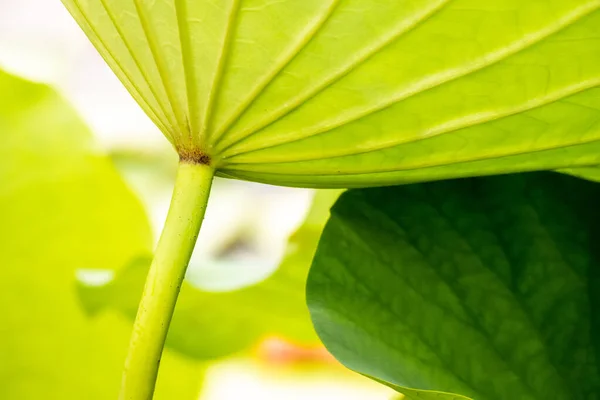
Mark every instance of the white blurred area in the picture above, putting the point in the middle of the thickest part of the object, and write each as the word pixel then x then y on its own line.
pixel 40 41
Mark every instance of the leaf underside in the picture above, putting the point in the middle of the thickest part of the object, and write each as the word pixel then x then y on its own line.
pixel 351 93
pixel 485 287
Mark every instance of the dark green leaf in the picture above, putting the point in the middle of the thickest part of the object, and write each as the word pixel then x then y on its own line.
pixel 486 287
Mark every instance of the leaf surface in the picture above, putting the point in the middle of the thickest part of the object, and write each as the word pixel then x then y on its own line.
pixel 352 93
pixel 485 287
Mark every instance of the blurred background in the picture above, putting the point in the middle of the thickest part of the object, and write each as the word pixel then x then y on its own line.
pixel 241 328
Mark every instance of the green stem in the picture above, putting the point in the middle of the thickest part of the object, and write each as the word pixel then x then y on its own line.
pixel 166 274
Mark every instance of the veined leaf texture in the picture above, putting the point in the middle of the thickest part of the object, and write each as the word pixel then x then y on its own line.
pixel 352 93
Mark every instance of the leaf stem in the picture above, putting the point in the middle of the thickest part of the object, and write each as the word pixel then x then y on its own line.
pixel 177 241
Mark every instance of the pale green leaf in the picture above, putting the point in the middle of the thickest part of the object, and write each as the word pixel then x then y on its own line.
pixel 485 287
pixel 346 93
pixel 63 206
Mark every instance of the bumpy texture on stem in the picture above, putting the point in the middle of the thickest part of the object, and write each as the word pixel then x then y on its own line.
pixel 173 253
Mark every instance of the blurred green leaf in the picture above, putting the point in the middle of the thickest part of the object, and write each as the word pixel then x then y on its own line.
pixel 348 93
pixel 63 207
pixel 209 325
pixel 487 287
